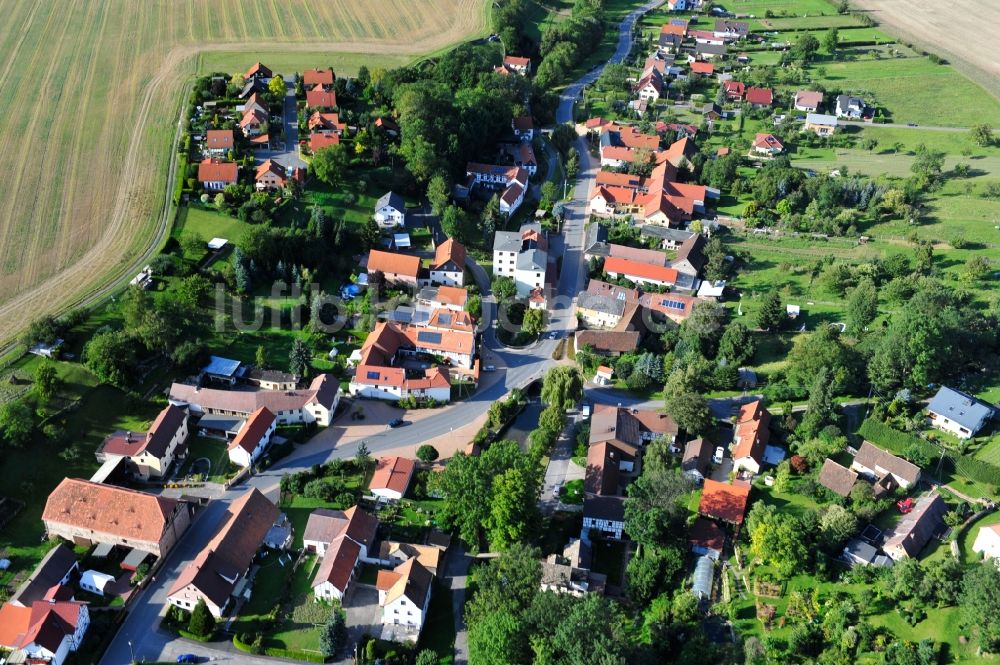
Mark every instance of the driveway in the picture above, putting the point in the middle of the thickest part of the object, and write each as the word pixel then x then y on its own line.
pixel 363 616
pixel 286 154
pixel 561 469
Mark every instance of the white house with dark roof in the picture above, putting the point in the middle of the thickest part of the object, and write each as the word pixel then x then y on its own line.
pixel 404 594
pixel 958 413
pixel 390 210
pixel 988 542
pixel 522 255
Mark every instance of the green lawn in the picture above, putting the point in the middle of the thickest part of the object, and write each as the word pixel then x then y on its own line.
pixel 208 223
pixel 968 536
pixel 216 452
pixel 572 492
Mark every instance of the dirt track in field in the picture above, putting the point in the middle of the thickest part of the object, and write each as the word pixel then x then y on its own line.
pixel 93 94
pixel 965 32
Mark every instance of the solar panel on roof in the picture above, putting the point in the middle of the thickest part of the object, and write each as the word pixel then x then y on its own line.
pixel 673 304
pixel 620 295
pixel 429 337
pixel 374 375
pixel 445 318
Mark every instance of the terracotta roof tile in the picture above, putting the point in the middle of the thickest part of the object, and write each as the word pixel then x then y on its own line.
pixel 121 512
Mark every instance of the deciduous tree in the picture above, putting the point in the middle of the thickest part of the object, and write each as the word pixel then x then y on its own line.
pixel 330 164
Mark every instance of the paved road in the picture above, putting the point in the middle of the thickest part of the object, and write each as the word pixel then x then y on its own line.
pixel 561 468
pixel 287 154
pixel 895 125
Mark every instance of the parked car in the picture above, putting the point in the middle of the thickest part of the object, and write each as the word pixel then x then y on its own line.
pixel 720 452
pixel 557 491
pixel 490 368
pixel 187 658
pixel 395 422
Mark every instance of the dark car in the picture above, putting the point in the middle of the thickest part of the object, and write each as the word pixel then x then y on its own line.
pixel 187 658
pixel 397 422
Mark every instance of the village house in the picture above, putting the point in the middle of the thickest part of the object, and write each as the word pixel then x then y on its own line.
pixel 253 122
pixel 604 516
pixel 731 30
pixel 404 594
pixel 148 454
pixel 390 210
pixel 837 478
pixel 443 297
pixel 617 435
pixel 640 273
pixel 958 413
pixel 607 342
pixel 724 502
pixel 511 181
pixel 258 71
pixel 523 127
pixel 214 174
pixel 909 537
pixel 988 542
pixel 218 142
pixel 314 77
pixel 820 124
pixel 697 455
pixel 767 145
pixel 604 375
pixel 875 463
pixel 597 310
pixel 392 478
pixel 52 572
pixel 87 513
pixel 271 379
pixel 704 51
pixel 662 307
pixel 517 64
pixel 706 538
pixel 706 37
pixel 751 436
pixel 402 269
pixel 315 404
pixel 759 97
pixel 850 107
pixel 343 539
pixel 392 553
pixel 734 90
pixel 448 266
pixel 650 86
pixel 667 237
pixel 808 100
pixel 320 140
pixel 46 631
pixel 272 176
pixel 701 68
pixel 387 125
pixel 218 572
pixel 253 438
pixel 318 97
pixel 670 42
pixel 690 260
pixel 523 256
pixel 570 572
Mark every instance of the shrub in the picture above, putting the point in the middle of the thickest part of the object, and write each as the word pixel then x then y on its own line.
pixel 427 453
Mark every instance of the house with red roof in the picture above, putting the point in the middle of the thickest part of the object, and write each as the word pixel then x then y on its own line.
pixel 272 176
pixel 517 64
pixel 219 141
pixel 148 454
pixel 734 90
pixel 702 68
pixel 214 174
pixel 253 121
pixel 220 568
pixel 524 127
pixel 253 438
pixel 344 539
pixel 639 273
pixel 258 71
pixel 396 268
pixel 313 77
pixel 767 145
pixel 392 477
pixel 724 502
pixel 318 97
pixel 45 632
pixel 448 266
pixel 320 140
pixel 759 97
pixel 751 436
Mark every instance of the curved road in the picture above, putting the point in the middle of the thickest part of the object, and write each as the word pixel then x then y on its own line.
pixel 139 634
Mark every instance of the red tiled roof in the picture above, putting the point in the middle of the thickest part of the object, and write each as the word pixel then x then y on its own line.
pixel 313 77
pixel 249 437
pixel 338 563
pixel 219 139
pixel 671 29
pixel 724 501
pixel 326 121
pixel 608 340
pixel 392 473
pixel 706 533
pixel 702 68
pixel 108 509
pixel 320 140
pixel 760 96
pixel 253 117
pixel 734 88
pixel 452 295
pixel 752 432
pixel 629 268
pixel 809 98
pixel 258 68
pixel 516 61
pixel 449 250
pixel 391 263
pixel 769 141
pixel 213 170
pixel 318 97
pixel 43 623
pixel 596 123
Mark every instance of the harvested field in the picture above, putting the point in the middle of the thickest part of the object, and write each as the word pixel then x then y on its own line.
pixel 966 33
pixel 92 97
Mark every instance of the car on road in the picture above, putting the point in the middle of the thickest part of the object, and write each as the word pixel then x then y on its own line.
pixel 719 454
pixel 490 368
pixel 187 658
pixel 557 490
pixel 395 422
pixel 911 124
pixel 553 335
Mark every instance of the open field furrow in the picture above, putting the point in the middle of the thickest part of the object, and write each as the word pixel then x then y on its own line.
pixel 93 93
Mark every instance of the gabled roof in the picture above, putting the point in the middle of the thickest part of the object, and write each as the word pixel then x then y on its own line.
pixel 320 98
pixel 410 579
pixel 697 453
pixel 428 555
pixel 330 121
pixel 516 61
pixel 389 262
pixel 629 268
pixel 597 287
pixel 272 167
pixel 673 29
pixel 763 96
pixel 871 456
pixel 322 390
pixel 320 140
pixel 608 340
pixel 253 117
pixel 916 528
pixel 706 533
pixel 217 568
pixel 446 295
pixel 252 433
pixel 219 139
pixel 213 170
pixel 768 141
pixel 836 478
pixel 603 462
pixel 392 473
pixel 325 526
pixel 338 563
pixel 449 251
pixel 809 98
pixel 53 567
pixel 314 77
pixel 610 508
pixel 960 407
pixel 752 432
pixel 392 200
pixel 156 441
pixel 258 70
pixel 44 623
pixel 121 512
pixel 702 68
pixel 724 501
pixel 734 87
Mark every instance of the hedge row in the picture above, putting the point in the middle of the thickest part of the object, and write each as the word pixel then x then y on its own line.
pixel 974 469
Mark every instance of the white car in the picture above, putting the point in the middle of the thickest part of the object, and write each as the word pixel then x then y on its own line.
pixel 720 452
pixel 557 490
